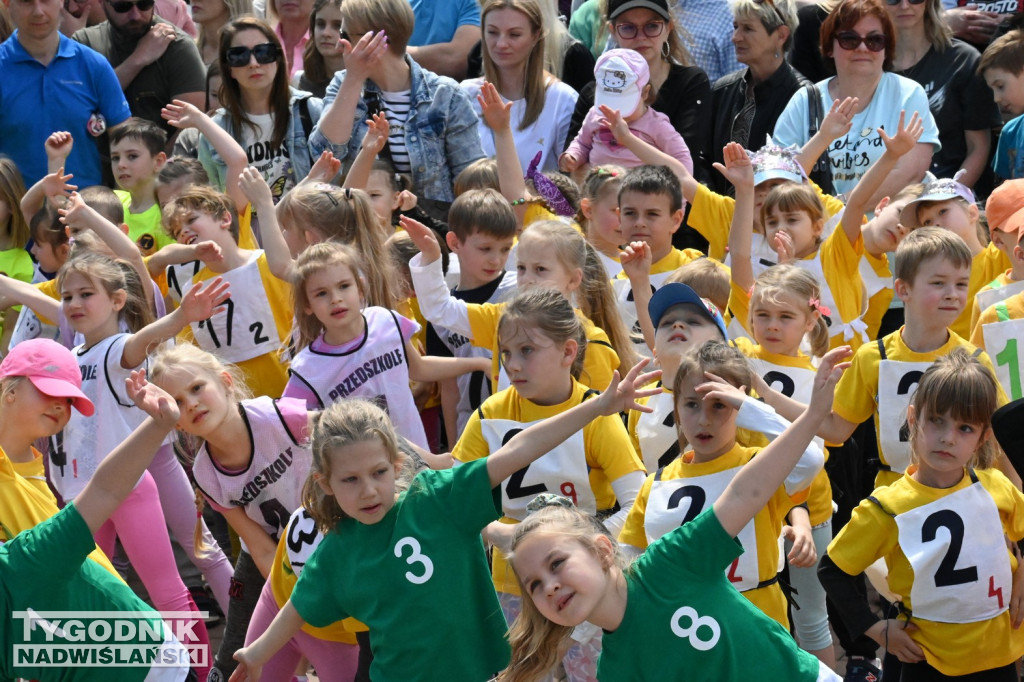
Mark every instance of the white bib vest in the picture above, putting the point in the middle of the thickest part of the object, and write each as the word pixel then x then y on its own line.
pixel 1003 338
pixel 562 471
pixel 301 540
pixel 656 432
pixel 897 382
pixel 989 297
pixel 956 547
pixel 678 501
pixel 627 309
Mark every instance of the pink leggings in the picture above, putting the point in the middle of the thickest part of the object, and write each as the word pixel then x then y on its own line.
pixel 179 505
pixel 139 523
pixel 333 661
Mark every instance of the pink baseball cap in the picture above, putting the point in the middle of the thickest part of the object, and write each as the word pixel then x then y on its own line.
pixel 621 76
pixel 51 368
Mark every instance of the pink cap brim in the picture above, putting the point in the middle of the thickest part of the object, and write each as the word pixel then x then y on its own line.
pixel 58 388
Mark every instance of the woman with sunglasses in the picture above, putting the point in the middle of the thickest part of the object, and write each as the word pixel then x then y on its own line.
pixel 270 120
pixel 961 102
pixel 513 50
pixel 858 37
pixel 433 129
pixel 681 91
pixel 748 102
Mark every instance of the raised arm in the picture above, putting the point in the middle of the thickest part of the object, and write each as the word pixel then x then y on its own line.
pixel 335 123
pixel 901 143
pixel 740 172
pixel 377 131
pixel 52 186
pixel 15 292
pixel 118 473
pixel 431 368
pixel 635 259
pixel 279 257
pixel 681 164
pixel 535 441
pixel 760 478
pixel 837 122
pixel 833 428
pixel 496 114
pixel 77 213
pixel 435 300
pixel 200 303
pixel 181 115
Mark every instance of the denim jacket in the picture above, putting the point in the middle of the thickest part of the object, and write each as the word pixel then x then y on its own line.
pixel 441 132
pixel 298 146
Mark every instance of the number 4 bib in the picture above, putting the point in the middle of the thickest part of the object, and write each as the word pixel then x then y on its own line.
pixel 562 471
pixel 955 546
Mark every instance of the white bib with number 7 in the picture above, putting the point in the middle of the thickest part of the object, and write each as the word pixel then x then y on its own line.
pixel 896 384
pixel 678 501
pixel 245 329
pixel 562 471
pixel 656 432
pixel 1003 341
pixel 961 568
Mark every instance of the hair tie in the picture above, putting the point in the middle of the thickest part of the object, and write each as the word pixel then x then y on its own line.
pixel 348 194
pixel 816 305
pixel 548 500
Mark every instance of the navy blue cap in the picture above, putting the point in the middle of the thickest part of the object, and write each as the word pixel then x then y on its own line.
pixel 677 293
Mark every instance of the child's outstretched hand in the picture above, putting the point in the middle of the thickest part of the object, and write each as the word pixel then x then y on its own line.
pixel 407 200
pixel 832 366
pixel 180 114
pixel 208 252
pixel 423 237
pixel 906 137
pixel 784 247
pixel 635 259
pixel 255 188
pixel 377 131
pixel 58 146
pixel 613 121
pixel 495 112
pixel 324 168
pixel 56 186
pixel 737 168
pixel 717 388
pixel 152 399
pixel 621 396
pixel 204 300
pixel 74 211
pixel 247 670
pixel 839 119
pixel 803 554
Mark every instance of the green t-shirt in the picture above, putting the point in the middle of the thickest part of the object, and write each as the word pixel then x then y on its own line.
pixel 45 569
pixel 418 579
pixel 684 618
pixel 145 229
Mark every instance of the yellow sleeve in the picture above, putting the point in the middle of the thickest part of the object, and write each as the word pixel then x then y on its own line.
pixel 49 287
pixel 977 331
pixel 246 237
pixel 711 216
pixel 608 448
pixel 840 261
pixel 739 305
pixel 1001 397
pixel 599 361
pixel 1010 502
pixel 632 419
pixel 632 532
pixel 279 295
pixel 833 205
pixel 870 534
pixel 855 394
pixel 483 323
pixel 471 444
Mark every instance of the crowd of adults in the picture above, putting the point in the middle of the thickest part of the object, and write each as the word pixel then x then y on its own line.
pixel 294 78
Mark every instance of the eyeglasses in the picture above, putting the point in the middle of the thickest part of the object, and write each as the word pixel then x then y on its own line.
pixel 893 3
pixel 124 6
pixel 652 29
pixel 265 53
pixel 848 40
pixel 775 10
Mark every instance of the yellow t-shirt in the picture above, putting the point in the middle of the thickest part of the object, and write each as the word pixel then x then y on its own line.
pixel 711 215
pixel 857 395
pixel 878 286
pixel 599 360
pixel 25 503
pixel 266 374
pixel 951 648
pixel 767 523
pixel 1002 280
pixel 1015 309
pixel 608 452
pixel 986 266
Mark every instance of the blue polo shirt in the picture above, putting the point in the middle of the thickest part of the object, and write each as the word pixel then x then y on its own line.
pixel 37 100
pixel 436 21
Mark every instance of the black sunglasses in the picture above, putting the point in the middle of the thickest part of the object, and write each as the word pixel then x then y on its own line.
pixel 848 40
pixel 265 53
pixel 124 6
pixel 652 29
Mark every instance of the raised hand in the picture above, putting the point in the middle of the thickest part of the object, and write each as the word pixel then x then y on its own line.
pixel 377 131
pixel 208 252
pixel 324 168
pixel 635 259
pixel 737 168
pixel 204 300
pixel 621 396
pixel 255 188
pixel 151 399
pixel 495 111
pixel 612 119
pixel 717 388
pixel 906 137
pixel 58 146
pixel 361 58
pixel 832 366
pixel 423 237
pixel 839 119
pixel 784 247
pixel 55 185
pixel 182 115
